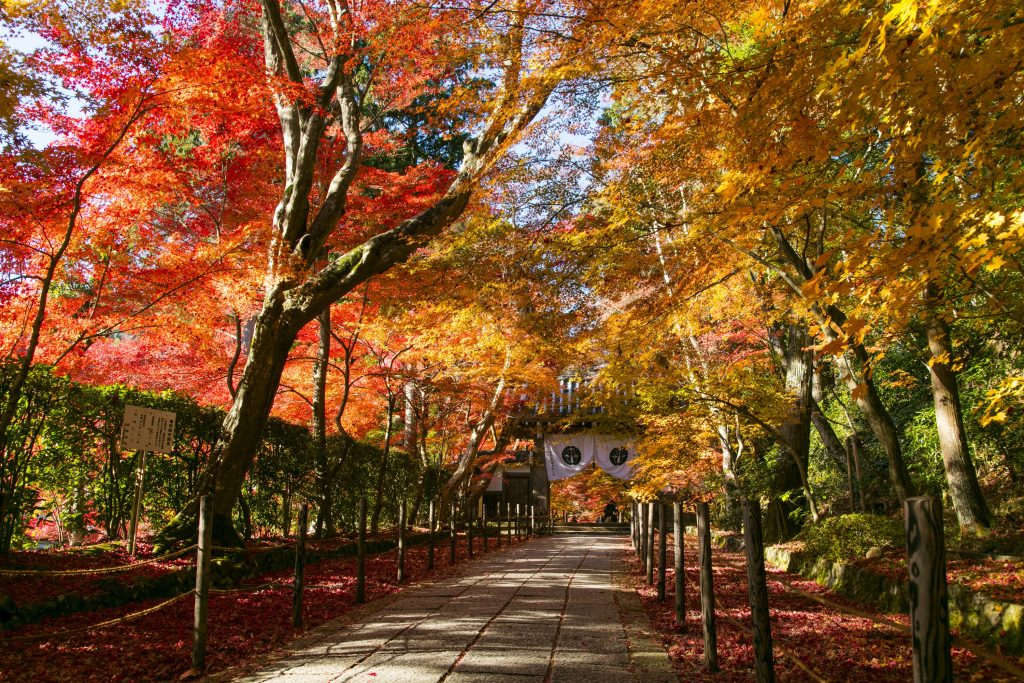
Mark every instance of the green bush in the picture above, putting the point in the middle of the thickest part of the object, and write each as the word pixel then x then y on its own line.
pixel 850 536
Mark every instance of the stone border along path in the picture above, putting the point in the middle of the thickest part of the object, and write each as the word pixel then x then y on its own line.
pixel 555 609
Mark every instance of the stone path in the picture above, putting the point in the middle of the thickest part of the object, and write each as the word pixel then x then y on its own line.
pixel 548 610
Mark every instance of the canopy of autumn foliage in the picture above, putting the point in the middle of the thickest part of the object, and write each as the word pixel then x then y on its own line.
pixel 788 233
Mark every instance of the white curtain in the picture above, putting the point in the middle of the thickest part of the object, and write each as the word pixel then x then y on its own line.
pixel 614 454
pixel 567 454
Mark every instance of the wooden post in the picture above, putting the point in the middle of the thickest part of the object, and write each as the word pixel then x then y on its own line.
pixel 518 520
pixel 707 589
pixel 651 520
pixel 662 551
pixel 533 520
pixel 929 600
pixel 499 525
pixel 764 662
pixel 631 526
pixel 678 545
pixel 430 537
pixel 401 541
pixel 469 532
pixel 508 513
pixel 640 533
pixel 642 509
pixel 483 524
pixel 300 566
pixel 361 553
pixel 134 528
pixel 634 528
pixel 453 538
pixel 203 551
pixel 638 510
pixel 632 536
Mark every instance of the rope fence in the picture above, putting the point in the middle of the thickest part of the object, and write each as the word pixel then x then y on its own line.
pixel 102 624
pixel 284 582
pixel 251 551
pixel 244 589
pixel 779 644
pixel 99 570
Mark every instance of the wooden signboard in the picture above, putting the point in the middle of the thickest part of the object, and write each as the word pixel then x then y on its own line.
pixel 146 429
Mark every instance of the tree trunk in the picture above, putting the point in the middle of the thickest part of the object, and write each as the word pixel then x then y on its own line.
pixel 853 456
pixel 861 386
pixel 410 433
pixel 478 488
pixel 276 329
pixel 865 395
pixel 414 511
pixel 465 464
pixel 246 518
pixel 733 513
pixel 286 513
pixel 324 483
pixel 833 444
pixel 968 501
pixel 297 291
pixel 795 433
pixel 730 455
pixel 378 500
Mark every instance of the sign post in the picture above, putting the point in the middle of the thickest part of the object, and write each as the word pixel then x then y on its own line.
pixel 144 429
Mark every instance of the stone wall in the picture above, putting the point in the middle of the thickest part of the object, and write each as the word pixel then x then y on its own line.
pixel 971 614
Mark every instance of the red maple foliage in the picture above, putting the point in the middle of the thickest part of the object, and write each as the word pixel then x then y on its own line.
pixel 242 624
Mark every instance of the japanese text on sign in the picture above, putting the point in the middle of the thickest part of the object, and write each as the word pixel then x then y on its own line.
pixel 146 429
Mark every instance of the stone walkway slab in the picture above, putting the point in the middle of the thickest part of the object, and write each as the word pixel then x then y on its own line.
pixel 553 610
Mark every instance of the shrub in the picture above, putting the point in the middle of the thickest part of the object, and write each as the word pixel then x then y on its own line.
pixel 850 536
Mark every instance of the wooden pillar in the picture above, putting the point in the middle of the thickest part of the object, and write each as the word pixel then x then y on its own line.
pixel 483 524
pixel 519 517
pixel 662 550
pixel 929 599
pixel 401 541
pixel 649 561
pixel 203 551
pixel 300 566
pixel 632 525
pixel 140 476
pixel 453 537
pixel 498 537
pixel 361 553
pixel 508 514
pixel 707 589
pixel 757 583
pixel 678 545
pixel 431 521
pixel 637 530
pixel 531 530
pixel 469 532
pixel 643 536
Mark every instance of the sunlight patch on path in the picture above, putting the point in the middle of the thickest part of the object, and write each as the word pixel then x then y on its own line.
pixel 549 610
